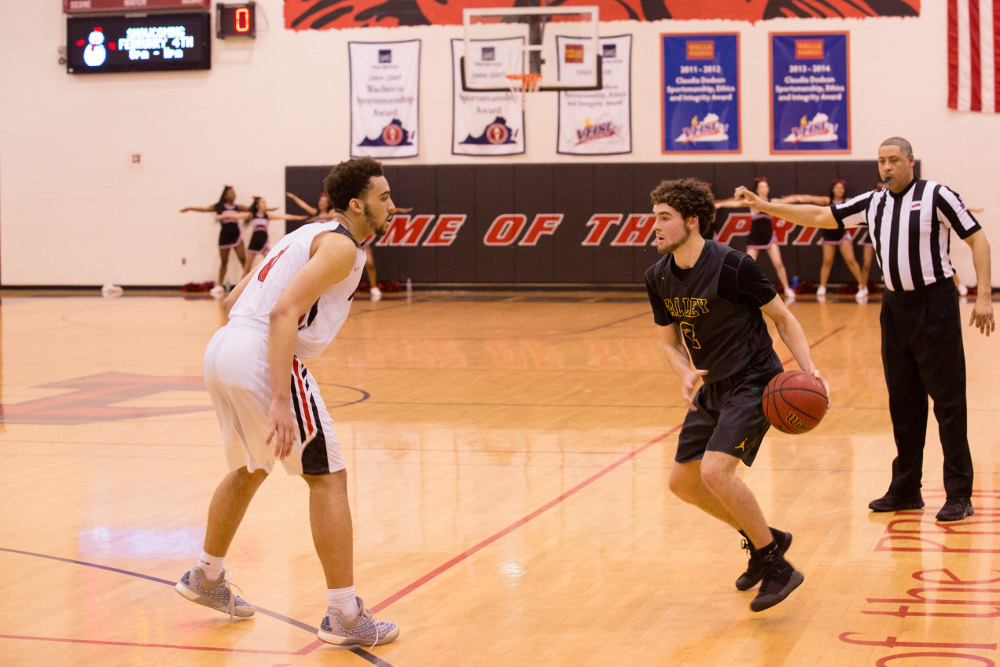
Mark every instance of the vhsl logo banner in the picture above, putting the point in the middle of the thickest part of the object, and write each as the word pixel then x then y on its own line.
pixel 597 122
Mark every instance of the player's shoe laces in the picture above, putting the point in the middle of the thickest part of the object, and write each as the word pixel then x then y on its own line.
pixel 755 566
pixel 780 579
pixel 215 594
pixel 362 630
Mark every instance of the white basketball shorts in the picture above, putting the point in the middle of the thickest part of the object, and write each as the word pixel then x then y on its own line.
pixel 237 378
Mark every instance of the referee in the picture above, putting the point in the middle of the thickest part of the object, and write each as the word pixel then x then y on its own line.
pixel 922 352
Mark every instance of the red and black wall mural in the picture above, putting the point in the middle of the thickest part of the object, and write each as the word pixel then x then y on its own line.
pixel 339 14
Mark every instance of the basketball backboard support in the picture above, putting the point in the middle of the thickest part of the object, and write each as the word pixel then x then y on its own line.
pixel 538 61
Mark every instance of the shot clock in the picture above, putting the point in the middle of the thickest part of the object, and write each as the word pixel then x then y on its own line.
pixel 237 19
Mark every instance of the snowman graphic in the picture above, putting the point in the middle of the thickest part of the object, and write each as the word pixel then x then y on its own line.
pixel 95 53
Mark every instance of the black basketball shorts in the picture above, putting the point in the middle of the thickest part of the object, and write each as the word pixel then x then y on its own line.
pixel 729 419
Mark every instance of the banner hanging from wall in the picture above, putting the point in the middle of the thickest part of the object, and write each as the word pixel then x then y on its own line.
pixel 486 123
pixel 810 95
pixel 598 122
pixel 385 95
pixel 701 97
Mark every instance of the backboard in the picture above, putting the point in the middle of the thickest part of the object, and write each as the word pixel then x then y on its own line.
pixel 558 49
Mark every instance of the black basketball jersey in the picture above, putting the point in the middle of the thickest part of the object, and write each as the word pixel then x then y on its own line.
pixel 724 330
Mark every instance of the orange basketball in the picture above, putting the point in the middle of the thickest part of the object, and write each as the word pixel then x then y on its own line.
pixel 794 402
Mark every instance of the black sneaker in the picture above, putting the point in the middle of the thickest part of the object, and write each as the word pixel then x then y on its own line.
pixel 891 503
pixel 755 566
pixel 780 579
pixel 956 509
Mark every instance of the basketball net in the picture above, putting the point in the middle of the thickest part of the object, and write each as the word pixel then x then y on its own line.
pixel 522 84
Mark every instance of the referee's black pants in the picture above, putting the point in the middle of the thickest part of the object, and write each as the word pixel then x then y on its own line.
pixel 922 354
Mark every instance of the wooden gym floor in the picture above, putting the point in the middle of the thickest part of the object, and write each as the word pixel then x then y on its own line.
pixel 508 456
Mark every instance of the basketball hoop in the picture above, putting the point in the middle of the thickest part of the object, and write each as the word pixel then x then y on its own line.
pixel 524 83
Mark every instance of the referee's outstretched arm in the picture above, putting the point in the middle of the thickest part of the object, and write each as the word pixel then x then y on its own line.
pixel 807 215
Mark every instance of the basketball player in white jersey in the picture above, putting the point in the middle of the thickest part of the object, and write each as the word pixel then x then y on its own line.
pixel 269 406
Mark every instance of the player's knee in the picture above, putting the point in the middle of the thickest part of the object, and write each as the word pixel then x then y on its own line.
pixel 683 482
pixel 714 476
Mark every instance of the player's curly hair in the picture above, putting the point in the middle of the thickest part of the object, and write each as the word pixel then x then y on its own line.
pixel 350 180
pixel 687 196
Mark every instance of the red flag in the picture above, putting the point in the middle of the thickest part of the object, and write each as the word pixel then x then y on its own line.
pixel 974 55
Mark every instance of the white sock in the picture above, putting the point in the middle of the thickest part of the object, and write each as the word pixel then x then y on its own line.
pixel 211 565
pixel 343 600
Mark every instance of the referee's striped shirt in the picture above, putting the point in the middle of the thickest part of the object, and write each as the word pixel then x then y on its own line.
pixel 910 230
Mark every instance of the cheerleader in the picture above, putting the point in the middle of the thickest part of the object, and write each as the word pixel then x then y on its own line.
pixel 229 231
pixel 259 220
pixel 836 239
pixel 762 235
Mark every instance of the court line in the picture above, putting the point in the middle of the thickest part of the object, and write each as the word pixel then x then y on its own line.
pixel 353 448
pixel 444 567
pixel 605 325
pixel 174 646
pixel 360 652
pixel 520 522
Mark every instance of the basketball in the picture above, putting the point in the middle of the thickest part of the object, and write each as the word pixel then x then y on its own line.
pixel 794 402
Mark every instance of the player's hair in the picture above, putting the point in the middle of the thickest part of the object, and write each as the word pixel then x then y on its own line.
pixel 689 197
pixel 350 180
pixel 899 142
pixel 220 205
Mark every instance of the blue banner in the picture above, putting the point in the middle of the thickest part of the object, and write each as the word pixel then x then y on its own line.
pixel 810 109
pixel 701 99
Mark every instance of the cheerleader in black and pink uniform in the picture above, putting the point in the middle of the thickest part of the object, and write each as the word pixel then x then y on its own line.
pixel 762 235
pixel 836 239
pixel 259 240
pixel 226 210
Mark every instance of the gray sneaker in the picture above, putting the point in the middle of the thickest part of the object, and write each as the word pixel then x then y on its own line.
pixel 362 630
pixel 215 594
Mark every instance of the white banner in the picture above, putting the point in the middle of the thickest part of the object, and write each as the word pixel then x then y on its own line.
pixel 486 123
pixel 597 122
pixel 385 92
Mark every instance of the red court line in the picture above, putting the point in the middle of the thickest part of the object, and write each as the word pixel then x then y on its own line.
pixel 173 646
pixel 517 524
pixel 444 567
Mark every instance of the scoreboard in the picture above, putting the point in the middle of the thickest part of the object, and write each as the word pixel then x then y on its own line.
pixel 104 36
pixel 146 43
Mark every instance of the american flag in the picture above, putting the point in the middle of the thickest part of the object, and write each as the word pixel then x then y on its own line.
pixel 974 55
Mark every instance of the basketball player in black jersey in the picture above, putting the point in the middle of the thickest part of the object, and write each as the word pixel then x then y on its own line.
pixel 707 301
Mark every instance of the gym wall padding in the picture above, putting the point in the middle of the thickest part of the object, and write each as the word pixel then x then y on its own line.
pixel 509 235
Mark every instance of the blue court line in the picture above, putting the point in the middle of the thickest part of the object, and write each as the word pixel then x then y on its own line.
pixel 360 652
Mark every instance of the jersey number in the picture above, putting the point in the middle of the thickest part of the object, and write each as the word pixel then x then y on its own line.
pixel 687 330
pixel 267 267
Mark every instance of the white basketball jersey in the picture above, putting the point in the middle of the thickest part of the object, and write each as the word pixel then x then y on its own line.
pixel 320 324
